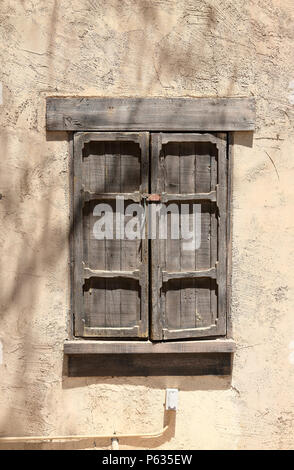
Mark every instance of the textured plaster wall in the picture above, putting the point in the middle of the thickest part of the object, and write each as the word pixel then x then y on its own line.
pixel 146 48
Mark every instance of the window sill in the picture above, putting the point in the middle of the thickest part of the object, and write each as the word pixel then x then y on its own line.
pixel 146 347
pixel 138 358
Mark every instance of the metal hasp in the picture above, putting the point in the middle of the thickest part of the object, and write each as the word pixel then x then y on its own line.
pixel 154 198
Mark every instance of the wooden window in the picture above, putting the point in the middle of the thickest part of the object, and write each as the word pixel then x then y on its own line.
pixel 185 294
pixel 164 310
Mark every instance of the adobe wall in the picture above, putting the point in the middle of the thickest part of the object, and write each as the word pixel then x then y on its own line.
pixel 146 48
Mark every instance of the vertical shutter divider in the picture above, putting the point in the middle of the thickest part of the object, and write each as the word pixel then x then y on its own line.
pixel 78 238
pixel 156 187
pixel 222 236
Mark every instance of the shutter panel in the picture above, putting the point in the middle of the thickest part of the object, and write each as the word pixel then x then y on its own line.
pixel 110 276
pixel 189 286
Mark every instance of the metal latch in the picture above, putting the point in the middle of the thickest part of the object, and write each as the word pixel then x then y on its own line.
pixel 154 198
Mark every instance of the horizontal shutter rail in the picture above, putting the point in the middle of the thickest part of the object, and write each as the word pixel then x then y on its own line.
pixel 164 197
pixel 206 273
pixel 166 138
pixel 88 137
pixel 189 332
pixel 90 196
pixel 90 273
pixel 220 143
pixel 211 196
pixel 109 332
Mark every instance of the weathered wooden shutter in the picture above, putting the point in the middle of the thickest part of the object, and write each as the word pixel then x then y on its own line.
pixel 189 287
pixel 110 288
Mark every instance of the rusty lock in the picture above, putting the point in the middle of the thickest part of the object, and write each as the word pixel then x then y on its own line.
pixel 154 198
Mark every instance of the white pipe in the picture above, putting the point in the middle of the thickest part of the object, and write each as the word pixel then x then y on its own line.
pixel 78 438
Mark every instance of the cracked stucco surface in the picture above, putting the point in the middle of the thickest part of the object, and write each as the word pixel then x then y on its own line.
pixel 146 48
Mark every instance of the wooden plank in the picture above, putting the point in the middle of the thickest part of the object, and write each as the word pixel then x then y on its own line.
pixel 111 332
pixel 222 238
pixel 130 168
pixel 96 321
pixel 211 196
pixel 211 273
pixel 78 245
pixel 93 167
pixel 88 273
pixel 94 258
pixel 187 185
pixel 71 237
pixel 130 180
pixel 130 260
pixel 156 325
pixel 89 137
pixel 91 196
pixel 112 247
pixel 134 365
pixel 213 243
pixel 152 114
pixel 190 137
pixel 198 332
pixel 203 184
pixel 230 153
pixel 143 245
pixel 171 258
pixel 147 347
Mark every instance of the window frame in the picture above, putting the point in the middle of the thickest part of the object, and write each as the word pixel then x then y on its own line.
pixel 155 327
pixel 144 114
